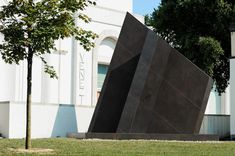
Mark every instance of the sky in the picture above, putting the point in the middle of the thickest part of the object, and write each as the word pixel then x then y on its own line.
pixel 143 7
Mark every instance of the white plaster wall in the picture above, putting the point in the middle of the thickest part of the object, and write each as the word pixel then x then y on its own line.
pixel 50 86
pixel 232 95
pixel 36 80
pixel 232 43
pixel 17 117
pixel 4 119
pixel 110 17
pixel 7 79
pixel 21 81
pixel 106 49
pixel 218 104
pixel 214 103
pixel 123 5
pixel 58 90
pixel 84 115
pixel 211 104
pixel 225 100
pixel 3 2
pixel 48 120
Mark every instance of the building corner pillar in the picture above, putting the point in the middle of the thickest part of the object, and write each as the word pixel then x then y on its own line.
pixel 232 82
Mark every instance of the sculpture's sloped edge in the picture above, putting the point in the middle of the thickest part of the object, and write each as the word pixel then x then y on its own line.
pixel 119 77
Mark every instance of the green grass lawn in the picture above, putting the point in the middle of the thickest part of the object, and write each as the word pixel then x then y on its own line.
pixel 121 148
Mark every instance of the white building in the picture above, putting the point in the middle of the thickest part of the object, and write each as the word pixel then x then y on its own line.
pixel 67 104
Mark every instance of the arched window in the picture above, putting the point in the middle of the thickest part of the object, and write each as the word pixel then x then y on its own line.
pixel 105 54
pixel 101 57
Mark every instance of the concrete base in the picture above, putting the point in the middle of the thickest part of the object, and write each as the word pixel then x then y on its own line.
pixel 138 136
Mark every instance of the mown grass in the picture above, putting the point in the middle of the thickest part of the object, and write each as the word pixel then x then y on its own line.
pixel 121 148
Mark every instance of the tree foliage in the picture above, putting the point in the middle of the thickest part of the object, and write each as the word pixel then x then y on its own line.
pixel 199 30
pixel 38 24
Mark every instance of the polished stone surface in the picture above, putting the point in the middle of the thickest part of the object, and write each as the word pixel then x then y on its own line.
pixel 150 87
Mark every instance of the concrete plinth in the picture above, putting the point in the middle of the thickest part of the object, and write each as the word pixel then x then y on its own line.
pixel 144 136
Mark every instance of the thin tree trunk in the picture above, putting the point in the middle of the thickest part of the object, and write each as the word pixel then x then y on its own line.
pixel 29 99
pixel 29 89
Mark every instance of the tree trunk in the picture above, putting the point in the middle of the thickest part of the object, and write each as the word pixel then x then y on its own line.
pixel 29 89
pixel 29 99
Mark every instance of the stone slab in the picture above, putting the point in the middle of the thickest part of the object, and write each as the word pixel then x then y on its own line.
pixel 168 93
pixel 150 87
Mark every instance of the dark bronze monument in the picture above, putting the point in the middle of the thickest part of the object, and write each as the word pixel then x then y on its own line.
pixel 150 88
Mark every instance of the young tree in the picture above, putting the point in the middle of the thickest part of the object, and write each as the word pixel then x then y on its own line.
pixel 200 30
pixel 30 29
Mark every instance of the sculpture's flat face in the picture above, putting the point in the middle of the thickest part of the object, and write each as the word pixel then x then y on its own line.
pixel 150 87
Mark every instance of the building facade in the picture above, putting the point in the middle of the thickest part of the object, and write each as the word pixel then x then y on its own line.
pixel 66 105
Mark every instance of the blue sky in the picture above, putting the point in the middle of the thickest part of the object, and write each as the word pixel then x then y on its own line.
pixel 143 7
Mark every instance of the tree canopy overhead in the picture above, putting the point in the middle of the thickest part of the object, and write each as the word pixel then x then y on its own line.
pixel 200 31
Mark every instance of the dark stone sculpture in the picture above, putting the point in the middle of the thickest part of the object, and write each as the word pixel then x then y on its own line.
pixel 150 87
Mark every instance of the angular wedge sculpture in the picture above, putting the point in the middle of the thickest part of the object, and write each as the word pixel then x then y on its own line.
pixel 150 87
